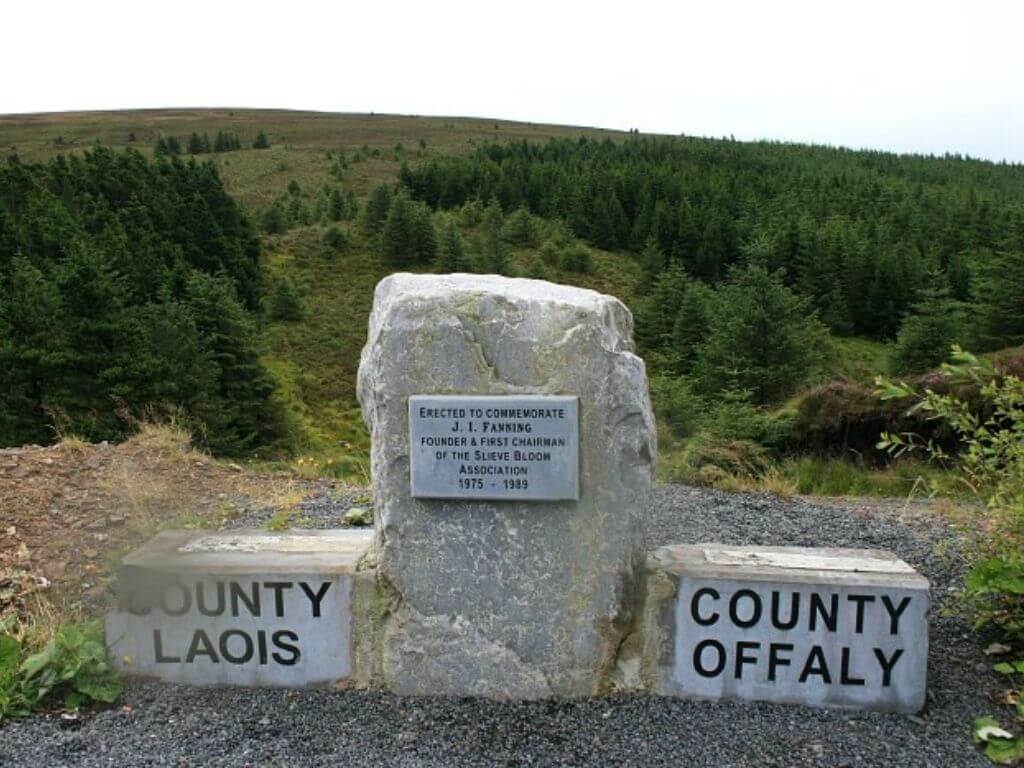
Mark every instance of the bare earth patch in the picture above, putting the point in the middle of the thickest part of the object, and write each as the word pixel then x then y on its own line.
pixel 70 510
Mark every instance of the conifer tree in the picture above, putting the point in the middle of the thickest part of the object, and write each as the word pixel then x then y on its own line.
pixel 398 236
pixel 249 414
pixel 351 206
pixel 608 226
pixel 298 212
pixel 657 311
pixel 451 252
pixel 336 208
pixel 520 229
pixel 376 210
pixel 275 219
pixel 927 334
pixel 285 303
pixel 95 316
pixel 652 259
pixel 886 296
pixel 335 239
pixel 170 371
pixel 550 254
pixel 261 141
pixel 9 245
pixel 536 270
pixel 495 255
pixel 93 296
pixel 32 360
pixel 998 291
pixel 577 258
pixel 959 275
pixel 761 337
pixel 424 235
pixel 691 326
pixel 225 142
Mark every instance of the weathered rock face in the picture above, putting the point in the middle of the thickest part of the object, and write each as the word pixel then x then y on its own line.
pixel 500 598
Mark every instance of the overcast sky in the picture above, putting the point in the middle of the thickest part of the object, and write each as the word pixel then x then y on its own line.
pixel 899 75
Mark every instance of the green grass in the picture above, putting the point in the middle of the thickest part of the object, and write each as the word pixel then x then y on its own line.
pixel 740 466
pixel 838 477
pixel 858 359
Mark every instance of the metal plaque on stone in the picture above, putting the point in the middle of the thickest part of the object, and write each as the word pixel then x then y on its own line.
pixel 496 447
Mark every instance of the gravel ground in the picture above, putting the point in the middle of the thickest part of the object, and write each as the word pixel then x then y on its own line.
pixel 324 508
pixel 172 725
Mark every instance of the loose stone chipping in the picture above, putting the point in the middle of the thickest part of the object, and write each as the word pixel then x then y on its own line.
pixel 498 598
pixel 162 724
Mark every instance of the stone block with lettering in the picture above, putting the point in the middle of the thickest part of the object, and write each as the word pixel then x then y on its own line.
pixel 247 607
pixel 510 554
pixel 820 627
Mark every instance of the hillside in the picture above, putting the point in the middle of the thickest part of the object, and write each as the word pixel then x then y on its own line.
pixel 661 223
pixel 315 359
pixel 298 141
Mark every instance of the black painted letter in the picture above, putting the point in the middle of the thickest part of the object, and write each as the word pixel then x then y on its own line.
pixel 816 665
pixel 844 670
pixel 225 649
pixel 818 609
pixel 887 664
pixel 755 614
pixel 695 606
pixel 774 660
pixel 895 612
pixel 315 598
pixel 741 658
pixel 698 653
pixel 158 648
pixel 279 587
pixel 861 601
pixel 278 639
pixel 794 611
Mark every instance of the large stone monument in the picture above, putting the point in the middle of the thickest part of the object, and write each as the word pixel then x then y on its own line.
pixel 513 458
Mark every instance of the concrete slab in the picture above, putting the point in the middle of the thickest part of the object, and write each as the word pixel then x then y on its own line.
pixel 242 608
pixel 820 627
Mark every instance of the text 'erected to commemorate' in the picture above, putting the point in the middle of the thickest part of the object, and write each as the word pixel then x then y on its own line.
pixel 494 447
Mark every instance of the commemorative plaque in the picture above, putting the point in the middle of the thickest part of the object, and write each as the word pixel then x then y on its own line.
pixel 499 447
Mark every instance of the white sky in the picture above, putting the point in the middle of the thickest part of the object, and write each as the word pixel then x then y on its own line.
pixel 901 75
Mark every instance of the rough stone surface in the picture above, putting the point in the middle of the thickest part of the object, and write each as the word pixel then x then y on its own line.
pixel 507 599
pixel 815 626
pixel 242 608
